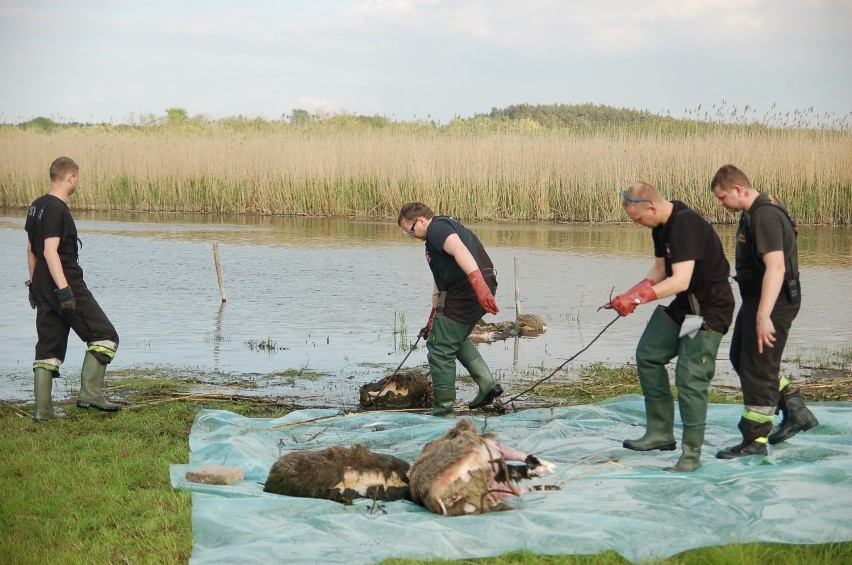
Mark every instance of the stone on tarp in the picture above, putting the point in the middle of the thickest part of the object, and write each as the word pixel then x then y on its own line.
pixel 215 475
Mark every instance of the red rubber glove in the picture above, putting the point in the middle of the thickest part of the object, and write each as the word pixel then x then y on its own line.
pixel 424 332
pixel 625 303
pixel 483 293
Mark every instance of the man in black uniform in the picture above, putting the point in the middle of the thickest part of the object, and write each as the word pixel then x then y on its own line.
pixel 62 299
pixel 767 264
pixel 465 283
pixel 691 265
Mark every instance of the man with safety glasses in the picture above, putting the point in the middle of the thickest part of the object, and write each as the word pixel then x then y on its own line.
pixel 690 265
pixel 465 282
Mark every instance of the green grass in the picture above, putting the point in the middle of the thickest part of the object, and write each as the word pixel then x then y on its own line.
pixel 95 488
pixel 597 382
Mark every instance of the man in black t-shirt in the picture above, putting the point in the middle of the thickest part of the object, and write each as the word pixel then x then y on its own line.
pixel 465 283
pixel 767 264
pixel 62 299
pixel 690 265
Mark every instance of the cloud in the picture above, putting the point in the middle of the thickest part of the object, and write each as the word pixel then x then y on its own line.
pixel 419 57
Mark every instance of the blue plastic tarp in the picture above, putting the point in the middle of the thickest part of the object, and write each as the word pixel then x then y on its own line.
pixel 611 498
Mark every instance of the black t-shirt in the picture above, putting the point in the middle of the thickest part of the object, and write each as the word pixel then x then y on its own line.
pixel 461 303
pixel 687 236
pixel 48 217
pixel 772 230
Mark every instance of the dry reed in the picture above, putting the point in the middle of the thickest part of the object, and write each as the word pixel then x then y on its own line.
pixel 554 175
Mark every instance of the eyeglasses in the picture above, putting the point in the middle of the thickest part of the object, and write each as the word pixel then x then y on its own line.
pixel 634 200
pixel 410 232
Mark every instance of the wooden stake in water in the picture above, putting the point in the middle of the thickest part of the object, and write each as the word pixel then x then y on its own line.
pixel 219 271
pixel 517 312
pixel 517 290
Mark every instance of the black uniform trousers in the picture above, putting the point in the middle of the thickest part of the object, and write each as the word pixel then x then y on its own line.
pixel 88 319
pixel 760 372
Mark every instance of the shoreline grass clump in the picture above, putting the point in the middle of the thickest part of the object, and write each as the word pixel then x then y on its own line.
pixel 485 168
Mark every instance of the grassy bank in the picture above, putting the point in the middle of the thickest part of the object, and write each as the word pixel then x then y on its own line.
pixel 95 488
pixel 516 173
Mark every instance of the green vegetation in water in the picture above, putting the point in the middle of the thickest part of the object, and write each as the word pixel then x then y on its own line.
pixel 826 357
pixel 264 345
pixel 303 373
pixel 400 332
pixel 597 382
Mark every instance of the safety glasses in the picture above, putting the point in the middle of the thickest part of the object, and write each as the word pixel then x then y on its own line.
pixel 410 232
pixel 634 200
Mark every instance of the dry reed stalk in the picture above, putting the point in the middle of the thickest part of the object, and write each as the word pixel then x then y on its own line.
pixel 550 176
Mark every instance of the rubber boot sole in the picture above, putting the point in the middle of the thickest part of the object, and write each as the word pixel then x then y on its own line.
pixel 489 398
pixel 84 404
pixel 778 437
pixel 660 446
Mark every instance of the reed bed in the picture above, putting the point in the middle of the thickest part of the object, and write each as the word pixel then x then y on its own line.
pixel 551 175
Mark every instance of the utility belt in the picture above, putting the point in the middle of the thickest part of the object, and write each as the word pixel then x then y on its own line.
pixel 752 287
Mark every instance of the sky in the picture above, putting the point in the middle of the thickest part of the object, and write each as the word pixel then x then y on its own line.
pixel 117 60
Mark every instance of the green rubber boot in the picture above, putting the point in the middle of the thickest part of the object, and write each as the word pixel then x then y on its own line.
pixel 690 458
pixel 444 340
pixel 696 365
pixel 659 432
pixel 489 389
pixel 658 345
pixel 442 405
pixel 91 386
pixel 43 388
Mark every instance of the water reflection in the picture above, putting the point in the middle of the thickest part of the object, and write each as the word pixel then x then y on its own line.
pixel 218 337
pixel 338 294
pixel 829 246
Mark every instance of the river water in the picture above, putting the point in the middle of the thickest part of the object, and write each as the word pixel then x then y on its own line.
pixel 343 299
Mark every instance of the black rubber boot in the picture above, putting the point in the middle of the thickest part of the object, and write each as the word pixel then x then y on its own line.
pixel 744 449
pixel 754 439
pixel 797 417
pixel 659 432
pixel 91 386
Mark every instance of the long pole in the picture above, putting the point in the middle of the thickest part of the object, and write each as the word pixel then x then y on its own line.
pixel 517 289
pixel 219 271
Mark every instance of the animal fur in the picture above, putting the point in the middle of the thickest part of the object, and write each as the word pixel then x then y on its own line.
pixel 403 390
pixel 340 474
pixel 528 325
pixel 463 472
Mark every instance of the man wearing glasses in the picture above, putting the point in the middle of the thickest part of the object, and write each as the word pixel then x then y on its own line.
pixel 690 265
pixel 465 282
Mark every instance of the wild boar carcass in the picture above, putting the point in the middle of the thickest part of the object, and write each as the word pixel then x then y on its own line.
pixel 402 390
pixel 526 325
pixel 341 474
pixel 463 472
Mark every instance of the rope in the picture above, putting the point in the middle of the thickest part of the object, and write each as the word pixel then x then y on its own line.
pixel 559 368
